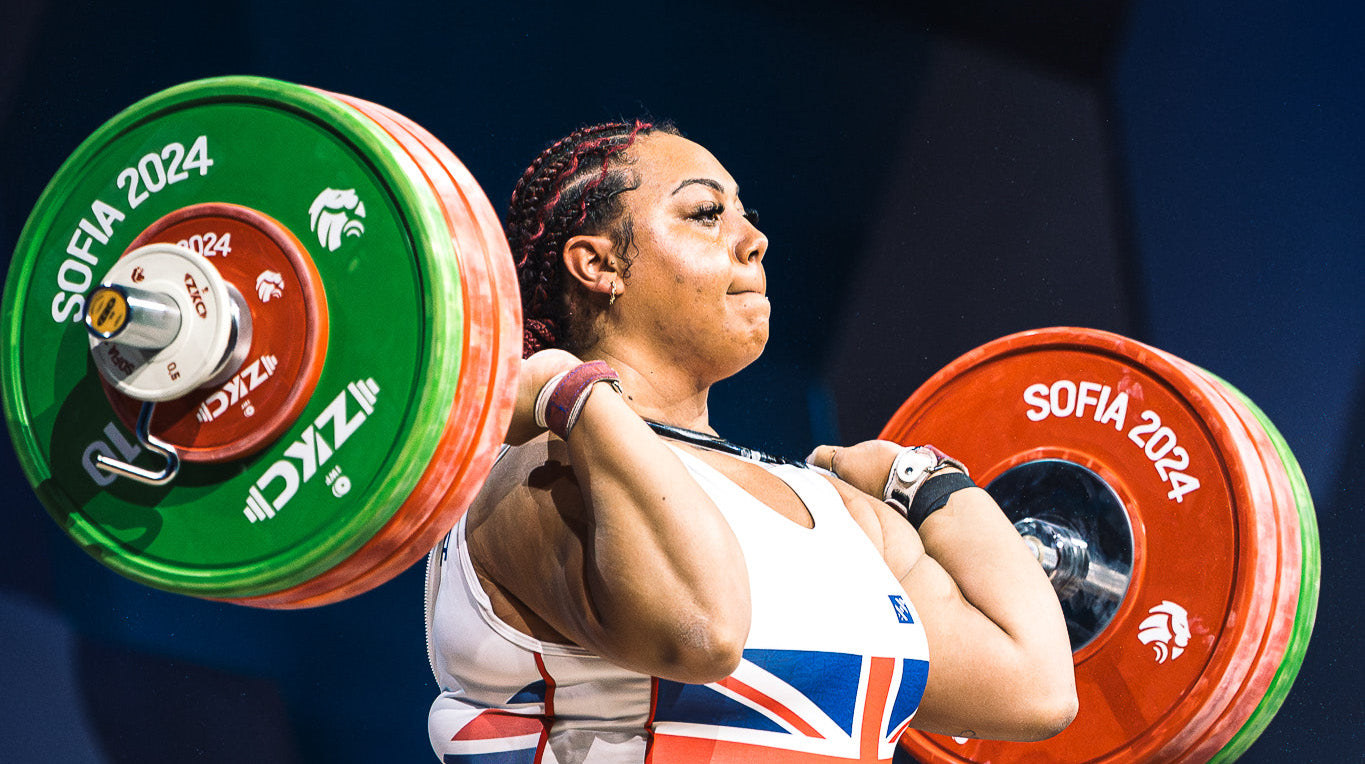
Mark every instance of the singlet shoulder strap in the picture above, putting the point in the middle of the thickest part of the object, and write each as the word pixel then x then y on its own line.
pixel 821 499
pixel 815 492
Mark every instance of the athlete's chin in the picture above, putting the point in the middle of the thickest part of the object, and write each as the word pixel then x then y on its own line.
pixel 756 342
pixel 755 311
pixel 754 330
pixel 744 349
pixel 761 337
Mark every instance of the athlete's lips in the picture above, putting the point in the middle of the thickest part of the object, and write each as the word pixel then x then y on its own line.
pixel 746 289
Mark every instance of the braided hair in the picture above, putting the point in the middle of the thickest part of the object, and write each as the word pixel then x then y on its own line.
pixel 572 188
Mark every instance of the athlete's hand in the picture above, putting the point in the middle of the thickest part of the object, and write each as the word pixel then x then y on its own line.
pixel 535 372
pixel 864 466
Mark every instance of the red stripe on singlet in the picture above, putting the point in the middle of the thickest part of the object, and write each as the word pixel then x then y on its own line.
pixel 776 708
pixel 879 676
pixel 549 707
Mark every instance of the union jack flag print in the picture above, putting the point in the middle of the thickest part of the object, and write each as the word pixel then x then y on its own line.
pixel 499 737
pixel 795 706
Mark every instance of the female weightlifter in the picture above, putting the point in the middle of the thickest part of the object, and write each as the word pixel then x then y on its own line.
pixel 629 587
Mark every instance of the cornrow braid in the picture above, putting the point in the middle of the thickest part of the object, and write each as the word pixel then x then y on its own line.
pixel 572 188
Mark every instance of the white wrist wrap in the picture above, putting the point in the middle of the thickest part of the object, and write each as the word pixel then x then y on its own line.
pixel 913 466
pixel 543 397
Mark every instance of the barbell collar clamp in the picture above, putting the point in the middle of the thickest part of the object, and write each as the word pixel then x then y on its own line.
pixel 139 350
pixel 152 443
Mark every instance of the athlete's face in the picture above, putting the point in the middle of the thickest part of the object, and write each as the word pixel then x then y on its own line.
pixel 696 284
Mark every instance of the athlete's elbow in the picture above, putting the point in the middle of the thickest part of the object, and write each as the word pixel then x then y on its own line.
pixel 705 651
pixel 702 668
pixel 1064 713
pixel 1047 713
pixel 1045 687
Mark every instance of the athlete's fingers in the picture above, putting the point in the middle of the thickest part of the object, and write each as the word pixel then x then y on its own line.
pixel 823 457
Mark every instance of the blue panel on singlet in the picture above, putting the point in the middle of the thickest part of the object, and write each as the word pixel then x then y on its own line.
pixel 913 676
pixel 531 693
pixel 829 680
pixel 702 704
pixel 524 756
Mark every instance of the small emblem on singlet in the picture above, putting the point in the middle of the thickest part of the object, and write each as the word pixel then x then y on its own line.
pixel 902 609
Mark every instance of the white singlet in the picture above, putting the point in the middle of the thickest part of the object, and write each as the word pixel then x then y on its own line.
pixel 833 669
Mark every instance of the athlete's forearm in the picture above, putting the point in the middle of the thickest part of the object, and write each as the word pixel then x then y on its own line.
pixel 973 541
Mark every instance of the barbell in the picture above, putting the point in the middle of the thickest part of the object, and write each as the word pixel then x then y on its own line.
pixel 262 341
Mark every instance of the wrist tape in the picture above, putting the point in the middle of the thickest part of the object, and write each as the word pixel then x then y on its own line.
pixel 933 495
pixel 918 485
pixel 561 400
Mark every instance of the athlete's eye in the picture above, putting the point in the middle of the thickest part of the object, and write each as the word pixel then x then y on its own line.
pixel 708 212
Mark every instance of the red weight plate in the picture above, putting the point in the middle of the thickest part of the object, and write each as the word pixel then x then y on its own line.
pixel 505 299
pixel 479 287
pixel 426 514
pixel 502 386
pixel 1272 505
pixel 1187 634
pixel 1285 596
pixel 359 572
pixel 271 269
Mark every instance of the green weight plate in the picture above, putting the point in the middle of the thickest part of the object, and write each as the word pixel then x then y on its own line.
pixel 335 477
pixel 1307 609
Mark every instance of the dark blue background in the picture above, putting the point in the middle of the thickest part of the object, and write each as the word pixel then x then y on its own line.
pixel 931 176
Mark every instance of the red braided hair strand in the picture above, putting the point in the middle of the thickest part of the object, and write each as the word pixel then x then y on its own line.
pixel 553 202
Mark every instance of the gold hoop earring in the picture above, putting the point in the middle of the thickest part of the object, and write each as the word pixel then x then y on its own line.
pixel 612 300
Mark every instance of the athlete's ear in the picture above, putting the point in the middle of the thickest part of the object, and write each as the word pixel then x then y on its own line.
pixel 590 262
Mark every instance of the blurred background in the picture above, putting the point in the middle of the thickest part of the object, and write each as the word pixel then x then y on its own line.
pixel 931 174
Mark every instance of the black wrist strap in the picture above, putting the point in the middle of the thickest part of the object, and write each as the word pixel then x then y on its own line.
pixel 933 495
